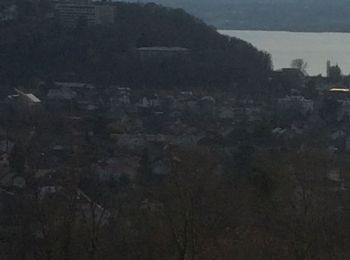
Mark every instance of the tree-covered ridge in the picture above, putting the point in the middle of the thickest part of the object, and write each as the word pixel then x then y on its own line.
pixel 35 46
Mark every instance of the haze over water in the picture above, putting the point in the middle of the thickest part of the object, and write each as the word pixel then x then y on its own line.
pixel 314 48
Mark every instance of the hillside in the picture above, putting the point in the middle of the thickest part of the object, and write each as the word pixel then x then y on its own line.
pixel 34 47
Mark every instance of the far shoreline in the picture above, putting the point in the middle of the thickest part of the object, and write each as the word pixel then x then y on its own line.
pixel 281 30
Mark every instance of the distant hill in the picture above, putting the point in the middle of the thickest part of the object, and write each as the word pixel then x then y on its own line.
pixel 37 48
pixel 292 15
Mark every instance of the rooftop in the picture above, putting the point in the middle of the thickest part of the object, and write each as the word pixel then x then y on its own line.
pixel 339 90
pixel 162 49
pixel 74 85
pixel 33 98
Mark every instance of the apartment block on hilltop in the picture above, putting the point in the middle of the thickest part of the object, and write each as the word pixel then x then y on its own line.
pixel 71 12
pixel 161 53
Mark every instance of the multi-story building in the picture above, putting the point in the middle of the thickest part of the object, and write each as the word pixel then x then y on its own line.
pixel 8 13
pixel 162 53
pixel 71 12
pixel 104 13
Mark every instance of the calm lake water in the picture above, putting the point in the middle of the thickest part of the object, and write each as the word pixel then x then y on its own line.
pixel 314 48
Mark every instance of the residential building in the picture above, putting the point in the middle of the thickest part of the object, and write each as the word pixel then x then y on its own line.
pixel 162 53
pixel 8 14
pixel 339 93
pixel 24 99
pixel 296 103
pixel 290 78
pixel 71 12
pixel 104 14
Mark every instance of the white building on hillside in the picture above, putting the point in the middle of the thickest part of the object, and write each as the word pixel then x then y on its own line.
pixel 71 12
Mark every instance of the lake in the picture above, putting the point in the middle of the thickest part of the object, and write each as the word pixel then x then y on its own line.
pixel 314 48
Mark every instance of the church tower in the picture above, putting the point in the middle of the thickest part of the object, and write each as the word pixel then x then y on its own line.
pixel 328 68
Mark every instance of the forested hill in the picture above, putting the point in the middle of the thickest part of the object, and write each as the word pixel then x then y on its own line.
pixel 37 47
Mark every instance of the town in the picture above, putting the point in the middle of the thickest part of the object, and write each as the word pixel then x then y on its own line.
pixel 116 135
pixel 165 151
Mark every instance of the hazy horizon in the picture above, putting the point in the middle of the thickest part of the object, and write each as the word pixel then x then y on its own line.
pixel 282 15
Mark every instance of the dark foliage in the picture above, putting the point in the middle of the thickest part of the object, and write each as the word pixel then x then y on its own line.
pixel 34 46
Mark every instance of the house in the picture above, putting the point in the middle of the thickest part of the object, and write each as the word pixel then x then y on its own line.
pixel 151 205
pixel 10 179
pixel 168 103
pixel 23 107
pixel 123 97
pixel 24 99
pixel 149 101
pixel 187 103
pixel 225 112
pixel 74 85
pixel 299 103
pixel 320 83
pixel 292 78
pixel 6 146
pixel 253 114
pixel 336 180
pixel 186 93
pixel 207 105
pixel 44 173
pixel 186 140
pixel 9 13
pixel 114 97
pixel 130 141
pixel 339 93
pixel 114 168
pixel 61 94
pixel 82 90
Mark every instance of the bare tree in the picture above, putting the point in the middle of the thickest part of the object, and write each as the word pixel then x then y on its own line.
pixel 299 64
